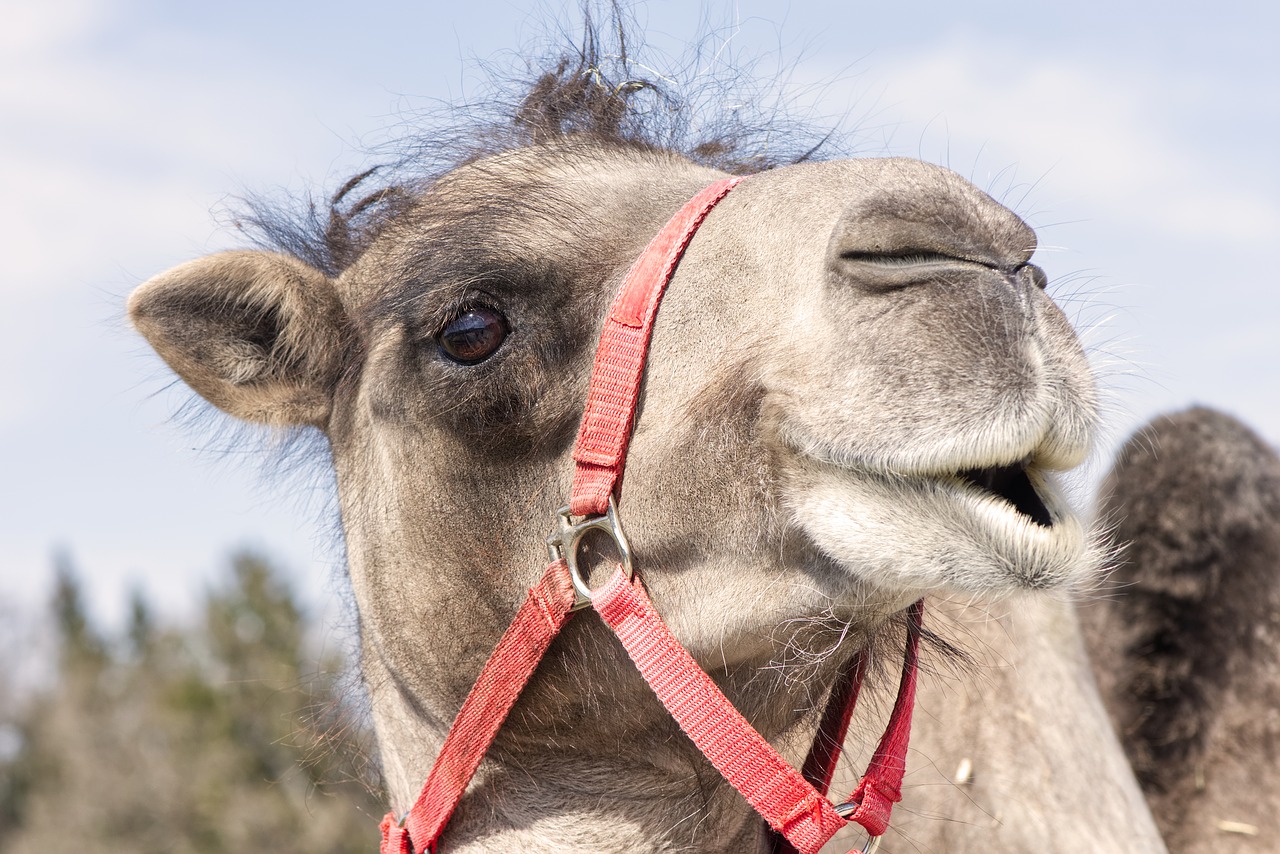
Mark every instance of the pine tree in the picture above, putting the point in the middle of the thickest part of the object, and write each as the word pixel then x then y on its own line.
pixel 226 736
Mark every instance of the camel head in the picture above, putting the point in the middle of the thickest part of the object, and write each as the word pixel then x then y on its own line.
pixel 858 392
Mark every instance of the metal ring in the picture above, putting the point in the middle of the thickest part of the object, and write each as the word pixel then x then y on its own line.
pixel 566 538
pixel 845 811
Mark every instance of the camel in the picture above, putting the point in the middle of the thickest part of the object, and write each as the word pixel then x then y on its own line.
pixel 1016 753
pixel 859 393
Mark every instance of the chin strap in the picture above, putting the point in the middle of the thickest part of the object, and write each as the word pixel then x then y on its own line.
pixel 880 788
pixel 792 802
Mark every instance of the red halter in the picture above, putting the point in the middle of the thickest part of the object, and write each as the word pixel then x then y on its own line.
pixel 793 803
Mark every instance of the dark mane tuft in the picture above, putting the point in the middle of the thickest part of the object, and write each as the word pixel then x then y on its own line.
pixel 594 90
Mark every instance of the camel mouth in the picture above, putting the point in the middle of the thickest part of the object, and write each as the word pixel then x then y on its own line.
pixel 1012 485
pixel 993 528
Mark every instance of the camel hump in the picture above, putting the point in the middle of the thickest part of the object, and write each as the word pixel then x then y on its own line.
pixel 1186 640
pixel 1190 494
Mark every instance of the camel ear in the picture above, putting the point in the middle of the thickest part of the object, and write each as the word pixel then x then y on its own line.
pixel 257 334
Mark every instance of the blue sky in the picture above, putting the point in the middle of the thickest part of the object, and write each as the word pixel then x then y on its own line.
pixel 1139 139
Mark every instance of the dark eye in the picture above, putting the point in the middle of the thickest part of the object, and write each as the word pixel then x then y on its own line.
pixel 474 335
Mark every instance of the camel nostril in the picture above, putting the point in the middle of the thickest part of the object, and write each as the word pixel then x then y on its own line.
pixel 1031 274
pixel 882 271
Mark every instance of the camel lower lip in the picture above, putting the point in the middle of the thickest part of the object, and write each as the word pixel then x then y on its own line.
pixel 942 528
pixel 1014 491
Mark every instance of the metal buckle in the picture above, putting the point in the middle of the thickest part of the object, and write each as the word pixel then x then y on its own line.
pixel 872 845
pixel 564 541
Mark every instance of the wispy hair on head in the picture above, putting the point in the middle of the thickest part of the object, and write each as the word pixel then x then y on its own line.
pixel 598 87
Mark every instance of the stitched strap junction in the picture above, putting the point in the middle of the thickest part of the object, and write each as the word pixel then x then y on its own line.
pixel 881 787
pixel 601 449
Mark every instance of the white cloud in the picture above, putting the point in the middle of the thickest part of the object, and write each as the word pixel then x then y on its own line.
pixel 113 156
pixel 116 145
pixel 36 28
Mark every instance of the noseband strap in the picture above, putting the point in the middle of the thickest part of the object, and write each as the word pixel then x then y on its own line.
pixel 792 802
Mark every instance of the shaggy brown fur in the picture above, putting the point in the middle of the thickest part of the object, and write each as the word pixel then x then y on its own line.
pixel 1188 645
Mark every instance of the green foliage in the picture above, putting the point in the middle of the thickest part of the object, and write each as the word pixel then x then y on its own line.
pixel 78 645
pixel 226 736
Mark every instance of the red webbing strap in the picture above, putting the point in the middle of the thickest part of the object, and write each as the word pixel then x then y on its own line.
pixel 395 839
pixel 504 676
pixel 782 795
pixel 601 449
pixel 777 791
pixel 881 787
pixel 600 455
pixel 888 763
pixel 820 765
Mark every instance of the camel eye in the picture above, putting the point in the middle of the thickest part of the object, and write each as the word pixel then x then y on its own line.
pixel 474 335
